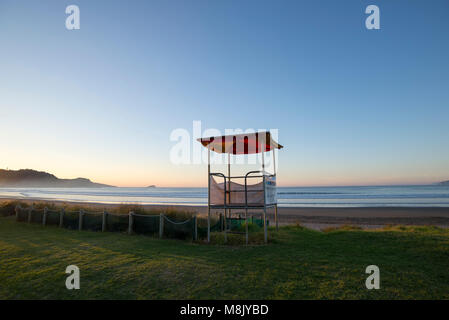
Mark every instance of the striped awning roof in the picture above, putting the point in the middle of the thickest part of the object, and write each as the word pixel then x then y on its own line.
pixel 245 143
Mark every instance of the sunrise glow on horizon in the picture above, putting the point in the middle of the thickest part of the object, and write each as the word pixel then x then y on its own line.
pixel 352 107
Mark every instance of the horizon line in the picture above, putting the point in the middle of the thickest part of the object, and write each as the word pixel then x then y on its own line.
pixel 303 186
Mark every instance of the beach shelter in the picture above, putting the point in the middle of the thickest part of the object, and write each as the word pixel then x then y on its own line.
pixel 234 193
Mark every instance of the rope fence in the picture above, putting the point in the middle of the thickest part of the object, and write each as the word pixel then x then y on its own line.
pixel 153 225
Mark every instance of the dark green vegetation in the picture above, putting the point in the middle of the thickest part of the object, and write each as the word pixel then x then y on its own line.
pixel 297 264
pixel 7 208
pixel 177 224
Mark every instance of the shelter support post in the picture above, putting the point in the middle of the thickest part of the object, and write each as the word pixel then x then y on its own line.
pixel 263 162
pixel 276 217
pixel 208 196
pixel 225 228
pixel 208 225
pixel 246 226
pixel 276 206
pixel 228 211
pixel 265 236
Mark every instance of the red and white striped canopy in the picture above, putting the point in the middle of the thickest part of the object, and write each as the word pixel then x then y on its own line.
pixel 245 143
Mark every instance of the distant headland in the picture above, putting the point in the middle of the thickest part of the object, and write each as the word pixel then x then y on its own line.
pixel 444 183
pixel 38 179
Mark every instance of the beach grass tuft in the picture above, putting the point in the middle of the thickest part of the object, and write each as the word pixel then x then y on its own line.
pixel 345 227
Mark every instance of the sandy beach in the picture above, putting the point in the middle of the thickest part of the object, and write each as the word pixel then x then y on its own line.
pixel 365 217
pixel 316 218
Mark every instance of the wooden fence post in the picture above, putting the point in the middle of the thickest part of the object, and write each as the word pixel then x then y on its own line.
pixel 29 214
pixel 17 211
pixel 61 218
pixel 195 231
pixel 44 217
pixel 161 225
pixel 103 226
pixel 80 220
pixel 130 223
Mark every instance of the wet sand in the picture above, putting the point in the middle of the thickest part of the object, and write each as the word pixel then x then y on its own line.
pixel 318 218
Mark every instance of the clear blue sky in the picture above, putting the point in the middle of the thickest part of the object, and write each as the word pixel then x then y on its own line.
pixel 353 106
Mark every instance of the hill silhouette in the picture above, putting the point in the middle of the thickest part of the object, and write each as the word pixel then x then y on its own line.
pixel 40 179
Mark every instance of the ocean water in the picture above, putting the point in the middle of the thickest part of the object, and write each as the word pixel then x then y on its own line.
pixel 369 196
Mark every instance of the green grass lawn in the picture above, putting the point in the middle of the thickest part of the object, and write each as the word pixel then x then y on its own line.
pixel 297 264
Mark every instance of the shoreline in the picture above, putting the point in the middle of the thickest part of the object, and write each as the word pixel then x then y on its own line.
pixel 317 218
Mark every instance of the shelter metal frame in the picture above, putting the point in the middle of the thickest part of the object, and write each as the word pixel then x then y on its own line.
pixel 227 206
